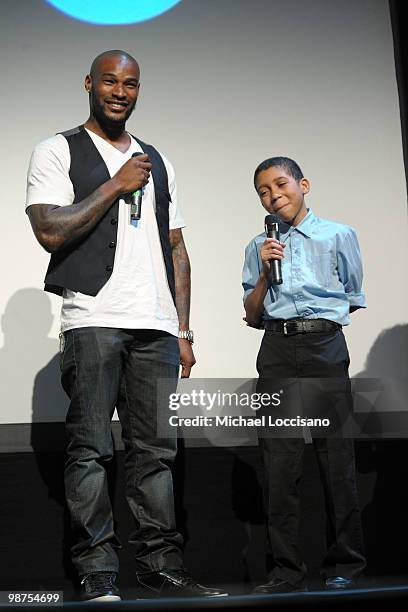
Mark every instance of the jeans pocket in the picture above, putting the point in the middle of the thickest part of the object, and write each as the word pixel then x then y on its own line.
pixel 63 338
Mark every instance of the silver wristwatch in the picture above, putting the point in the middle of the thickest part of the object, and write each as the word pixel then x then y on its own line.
pixel 187 334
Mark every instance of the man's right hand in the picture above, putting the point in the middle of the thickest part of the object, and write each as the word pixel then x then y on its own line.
pixel 134 174
pixel 56 227
pixel 271 249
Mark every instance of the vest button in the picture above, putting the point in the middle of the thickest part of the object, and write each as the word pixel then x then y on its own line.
pixel 109 268
pixel 112 245
pixel 114 221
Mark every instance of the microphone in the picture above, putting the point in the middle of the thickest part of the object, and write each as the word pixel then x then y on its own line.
pixel 272 231
pixel 136 200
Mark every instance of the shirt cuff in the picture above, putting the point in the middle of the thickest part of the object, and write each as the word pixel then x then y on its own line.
pixel 177 225
pixel 357 300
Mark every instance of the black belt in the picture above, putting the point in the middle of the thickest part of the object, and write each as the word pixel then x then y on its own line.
pixel 301 326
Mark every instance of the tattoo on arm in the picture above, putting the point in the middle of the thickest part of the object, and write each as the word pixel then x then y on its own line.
pixel 57 227
pixel 181 265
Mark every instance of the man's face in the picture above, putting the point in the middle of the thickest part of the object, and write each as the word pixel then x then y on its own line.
pixel 113 89
pixel 282 195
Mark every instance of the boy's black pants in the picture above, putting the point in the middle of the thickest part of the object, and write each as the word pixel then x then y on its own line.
pixel 300 366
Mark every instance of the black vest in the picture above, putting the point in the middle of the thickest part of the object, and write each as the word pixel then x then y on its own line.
pixel 87 266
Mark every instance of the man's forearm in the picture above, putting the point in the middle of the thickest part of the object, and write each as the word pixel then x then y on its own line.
pixel 182 281
pixel 254 303
pixel 56 227
pixel 181 264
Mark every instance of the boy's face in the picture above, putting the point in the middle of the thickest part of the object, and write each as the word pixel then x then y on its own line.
pixel 282 195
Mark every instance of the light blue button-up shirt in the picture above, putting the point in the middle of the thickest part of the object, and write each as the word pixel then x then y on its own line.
pixel 322 272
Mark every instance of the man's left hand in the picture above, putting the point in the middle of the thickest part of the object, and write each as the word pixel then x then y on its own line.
pixel 187 359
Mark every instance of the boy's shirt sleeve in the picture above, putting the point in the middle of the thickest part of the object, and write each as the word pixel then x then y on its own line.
pixel 251 269
pixel 349 267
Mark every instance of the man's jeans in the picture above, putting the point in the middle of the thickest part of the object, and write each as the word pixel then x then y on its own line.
pixel 103 368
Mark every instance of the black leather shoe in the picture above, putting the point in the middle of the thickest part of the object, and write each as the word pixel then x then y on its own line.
pixel 278 585
pixel 339 582
pixel 100 586
pixel 174 582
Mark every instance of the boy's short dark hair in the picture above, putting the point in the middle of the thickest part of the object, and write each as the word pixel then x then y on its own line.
pixel 288 164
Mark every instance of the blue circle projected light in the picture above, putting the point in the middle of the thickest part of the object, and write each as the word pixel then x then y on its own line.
pixel 108 12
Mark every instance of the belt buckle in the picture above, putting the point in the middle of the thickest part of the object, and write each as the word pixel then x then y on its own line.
pixel 285 328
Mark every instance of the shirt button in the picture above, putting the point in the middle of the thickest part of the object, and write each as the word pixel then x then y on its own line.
pixel 112 245
pixel 114 221
pixel 109 268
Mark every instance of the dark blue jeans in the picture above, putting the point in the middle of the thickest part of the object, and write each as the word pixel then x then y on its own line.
pixel 134 370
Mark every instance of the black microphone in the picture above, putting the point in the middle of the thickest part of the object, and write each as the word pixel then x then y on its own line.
pixel 272 231
pixel 136 200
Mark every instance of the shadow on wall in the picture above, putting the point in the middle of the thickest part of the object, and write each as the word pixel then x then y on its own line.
pixel 381 389
pixel 29 361
pixel 33 370
pixel 386 459
pixel 31 392
pixel 388 357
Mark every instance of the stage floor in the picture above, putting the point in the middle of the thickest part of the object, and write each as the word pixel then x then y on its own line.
pixel 219 510
pixel 378 592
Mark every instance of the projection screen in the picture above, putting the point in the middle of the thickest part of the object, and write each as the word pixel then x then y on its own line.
pixel 224 85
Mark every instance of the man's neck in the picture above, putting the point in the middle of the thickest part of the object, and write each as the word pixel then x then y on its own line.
pixel 115 134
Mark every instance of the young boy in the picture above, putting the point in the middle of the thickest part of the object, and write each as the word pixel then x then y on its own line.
pixel 302 318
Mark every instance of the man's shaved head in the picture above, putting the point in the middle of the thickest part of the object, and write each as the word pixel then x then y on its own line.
pixel 109 54
pixel 113 87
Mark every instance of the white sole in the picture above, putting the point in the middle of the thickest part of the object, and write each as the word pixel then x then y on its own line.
pixel 105 598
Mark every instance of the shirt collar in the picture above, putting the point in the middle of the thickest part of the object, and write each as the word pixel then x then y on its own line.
pixel 305 226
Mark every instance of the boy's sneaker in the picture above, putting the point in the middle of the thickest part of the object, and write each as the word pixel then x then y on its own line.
pixel 100 586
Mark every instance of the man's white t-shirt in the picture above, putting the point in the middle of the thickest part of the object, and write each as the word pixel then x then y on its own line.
pixel 137 295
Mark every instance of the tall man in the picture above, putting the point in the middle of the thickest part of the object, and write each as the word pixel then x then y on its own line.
pixel 125 285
